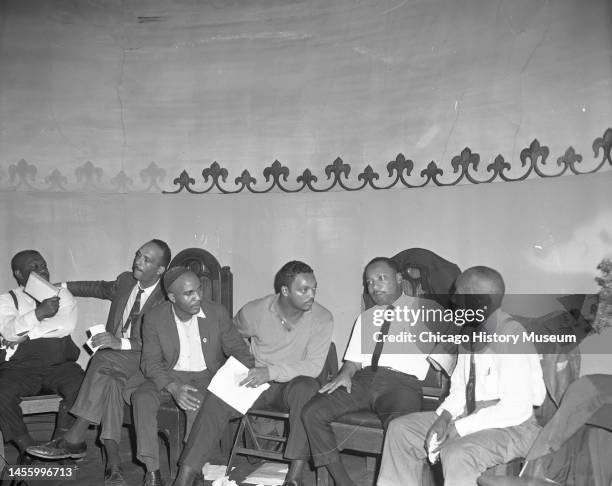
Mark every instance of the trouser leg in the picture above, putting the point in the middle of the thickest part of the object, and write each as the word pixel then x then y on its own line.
pixel 15 383
pixel 323 409
pixel 100 398
pixel 145 402
pixel 466 458
pixel 208 426
pixel 65 380
pixel 404 450
pixel 295 395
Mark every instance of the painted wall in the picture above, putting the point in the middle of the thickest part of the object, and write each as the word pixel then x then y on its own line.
pixel 543 236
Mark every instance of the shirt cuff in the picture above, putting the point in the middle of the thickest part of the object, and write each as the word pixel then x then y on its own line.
pixel 64 285
pixel 125 344
pixel 26 323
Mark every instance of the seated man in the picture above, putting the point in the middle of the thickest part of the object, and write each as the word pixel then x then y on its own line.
pixel 38 355
pixel 388 384
pixel 185 342
pixel 100 399
pixel 290 337
pixel 487 419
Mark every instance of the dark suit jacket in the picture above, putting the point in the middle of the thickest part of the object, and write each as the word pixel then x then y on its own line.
pixel 160 351
pixel 118 292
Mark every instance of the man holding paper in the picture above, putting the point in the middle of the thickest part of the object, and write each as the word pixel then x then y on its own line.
pixel 100 399
pixel 290 336
pixel 37 353
pixel 185 342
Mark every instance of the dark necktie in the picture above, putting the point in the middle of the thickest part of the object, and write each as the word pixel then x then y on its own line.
pixel 384 330
pixel 133 317
pixel 470 389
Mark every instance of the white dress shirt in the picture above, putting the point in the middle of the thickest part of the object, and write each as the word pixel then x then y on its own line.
pixel 514 379
pixel 191 357
pixel 17 322
pixel 413 359
pixel 146 293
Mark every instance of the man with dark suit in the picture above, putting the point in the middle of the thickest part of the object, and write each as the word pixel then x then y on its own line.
pixel 100 399
pixel 185 342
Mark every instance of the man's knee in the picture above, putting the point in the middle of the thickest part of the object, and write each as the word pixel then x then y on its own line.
pixel 456 456
pixel 145 399
pixel 302 389
pixel 317 411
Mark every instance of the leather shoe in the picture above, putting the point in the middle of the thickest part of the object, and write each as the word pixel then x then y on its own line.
pixel 292 483
pixel 58 449
pixel 113 476
pixel 153 478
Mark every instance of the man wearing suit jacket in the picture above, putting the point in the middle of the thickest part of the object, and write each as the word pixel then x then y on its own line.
pixel 185 342
pixel 100 399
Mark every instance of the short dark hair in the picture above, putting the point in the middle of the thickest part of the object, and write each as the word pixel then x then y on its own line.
pixel 166 254
pixel 288 272
pixel 380 259
pixel 19 257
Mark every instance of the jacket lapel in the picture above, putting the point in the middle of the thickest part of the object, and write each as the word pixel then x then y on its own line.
pixel 205 338
pixel 173 337
pixel 122 302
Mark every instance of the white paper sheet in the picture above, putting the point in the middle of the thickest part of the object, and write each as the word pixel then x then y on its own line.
pixel 39 288
pixel 93 330
pixel 225 385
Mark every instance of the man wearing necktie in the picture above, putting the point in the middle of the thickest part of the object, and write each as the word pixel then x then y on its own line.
pixel 487 418
pixel 100 398
pixel 378 377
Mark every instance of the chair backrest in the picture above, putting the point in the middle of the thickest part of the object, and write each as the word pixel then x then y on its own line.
pixel 330 367
pixel 217 281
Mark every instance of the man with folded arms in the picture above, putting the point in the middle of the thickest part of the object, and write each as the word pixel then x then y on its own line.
pixel 100 399
pixel 185 342
pixel 487 419
pixel 290 336
pixel 38 354
pixel 388 384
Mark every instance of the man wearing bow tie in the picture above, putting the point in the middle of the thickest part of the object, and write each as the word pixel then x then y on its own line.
pixel 185 342
pixel 100 399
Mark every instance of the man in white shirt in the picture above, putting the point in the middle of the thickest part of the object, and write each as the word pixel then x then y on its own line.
pixel 185 342
pixel 100 399
pixel 37 354
pixel 487 419
pixel 389 383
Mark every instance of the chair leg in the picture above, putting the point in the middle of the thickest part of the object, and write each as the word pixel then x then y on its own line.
pixel 239 433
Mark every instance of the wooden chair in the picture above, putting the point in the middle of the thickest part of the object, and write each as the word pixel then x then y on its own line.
pixel 31 406
pixel 260 441
pixel 217 285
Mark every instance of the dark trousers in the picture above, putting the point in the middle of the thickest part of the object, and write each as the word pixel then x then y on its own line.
pixel 214 414
pixel 291 397
pixel 387 393
pixel 15 382
pixel 146 400
pixel 100 399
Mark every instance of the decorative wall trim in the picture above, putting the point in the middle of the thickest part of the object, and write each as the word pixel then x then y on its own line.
pixel 466 169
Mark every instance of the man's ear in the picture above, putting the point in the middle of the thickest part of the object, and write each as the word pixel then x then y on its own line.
pixel 18 275
pixel 398 278
pixel 161 270
pixel 285 290
pixel 171 297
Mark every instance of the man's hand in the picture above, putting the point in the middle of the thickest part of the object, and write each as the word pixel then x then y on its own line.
pixel 187 397
pixel 18 340
pixel 440 427
pixel 106 340
pixel 257 376
pixel 337 382
pixel 47 308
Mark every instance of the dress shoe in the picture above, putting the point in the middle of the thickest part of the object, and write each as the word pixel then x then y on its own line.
pixel 153 478
pixel 113 476
pixel 59 449
pixel 292 483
